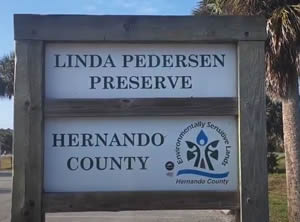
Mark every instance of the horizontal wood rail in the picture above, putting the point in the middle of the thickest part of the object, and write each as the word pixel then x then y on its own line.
pixel 136 29
pixel 121 201
pixel 141 107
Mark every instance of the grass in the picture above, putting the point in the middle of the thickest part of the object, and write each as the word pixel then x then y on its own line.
pixel 277 194
pixel 277 198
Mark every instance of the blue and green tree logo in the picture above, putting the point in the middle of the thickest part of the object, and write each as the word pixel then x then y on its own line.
pixel 202 152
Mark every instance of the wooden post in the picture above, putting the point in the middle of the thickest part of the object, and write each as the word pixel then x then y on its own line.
pixel 28 133
pixel 252 133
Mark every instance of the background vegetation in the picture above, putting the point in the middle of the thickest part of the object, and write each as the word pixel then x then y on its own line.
pixel 6 141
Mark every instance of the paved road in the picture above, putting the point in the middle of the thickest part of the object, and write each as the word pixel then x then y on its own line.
pixel 5 196
pixel 140 216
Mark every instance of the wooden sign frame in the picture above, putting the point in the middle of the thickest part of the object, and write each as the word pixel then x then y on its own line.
pixel 32 32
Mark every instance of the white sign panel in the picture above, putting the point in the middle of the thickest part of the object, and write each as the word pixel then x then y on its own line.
pixel 141 154
pixel 140 70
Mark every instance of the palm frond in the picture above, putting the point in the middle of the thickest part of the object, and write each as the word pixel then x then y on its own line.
pixel 210 7
pixel 256 7
pixel 250 7
pixel 283 29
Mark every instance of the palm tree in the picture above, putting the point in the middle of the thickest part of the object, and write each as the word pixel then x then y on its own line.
pixel 282 68
pixel 210 7
pixel 7 75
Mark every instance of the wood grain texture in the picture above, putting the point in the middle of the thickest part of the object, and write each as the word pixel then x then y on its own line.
pixel 121 201
pixel 139 28
pixel 252 130
pixel 28 133
pixel 141 107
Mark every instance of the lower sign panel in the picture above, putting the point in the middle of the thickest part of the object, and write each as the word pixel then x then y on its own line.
pixel 141 154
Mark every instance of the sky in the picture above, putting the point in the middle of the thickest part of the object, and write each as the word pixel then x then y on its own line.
pixel 92 7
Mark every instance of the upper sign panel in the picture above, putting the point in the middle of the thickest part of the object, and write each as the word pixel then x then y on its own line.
pixel 140 70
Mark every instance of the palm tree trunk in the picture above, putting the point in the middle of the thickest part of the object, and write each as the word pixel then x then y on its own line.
pixel 291 129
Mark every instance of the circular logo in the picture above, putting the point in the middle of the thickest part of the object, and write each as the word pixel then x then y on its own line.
pixel 170 165
pixel 203 149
